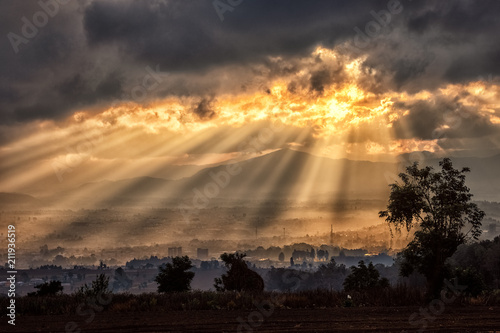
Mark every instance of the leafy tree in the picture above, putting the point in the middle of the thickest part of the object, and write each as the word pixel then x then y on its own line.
pixel 238 277
pixel 174 277
pixel 330 276
pixel 98 288
pixel 364 277
pixel 322 255
pixel 289 279
pixel 438 205
pixel 121 280
pixel 483 258
pixel 471 278
pixel 48 289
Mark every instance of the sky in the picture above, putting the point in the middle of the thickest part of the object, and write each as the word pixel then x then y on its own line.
pixel 93 90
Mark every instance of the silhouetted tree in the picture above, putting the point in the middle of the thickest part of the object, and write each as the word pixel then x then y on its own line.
pixel 438 204
pixel 175 276
pixel 330 276
pixel 98 288
pixel 288 279
pixel 321 255
pixel 471 278
pixel 364 277
pixel 281 257
pixel 482 258
pixel 48 289
pixel 238 277
pixel 121 280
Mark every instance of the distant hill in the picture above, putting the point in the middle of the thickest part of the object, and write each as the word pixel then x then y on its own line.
pixel 106 192
pixel 17 199
pixel 283 174
pixel 290 174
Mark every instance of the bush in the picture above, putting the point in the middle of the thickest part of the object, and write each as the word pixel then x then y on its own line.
pixel 99 287
pixel 174 277
pixel 48 289
pixel 471 278
pixel 364 277
pixel 238 277
pixel 122 281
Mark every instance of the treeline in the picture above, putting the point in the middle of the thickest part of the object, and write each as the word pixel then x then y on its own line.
pixel 476 266
pixel 474 270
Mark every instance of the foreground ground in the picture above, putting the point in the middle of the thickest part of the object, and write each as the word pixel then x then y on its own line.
pixel 369 319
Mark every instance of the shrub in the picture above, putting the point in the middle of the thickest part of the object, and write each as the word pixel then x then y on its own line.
pixel 48 288
pixel 98 288
pixel 364 277
pixel 238 277
pixel 174 277
pixel 472 279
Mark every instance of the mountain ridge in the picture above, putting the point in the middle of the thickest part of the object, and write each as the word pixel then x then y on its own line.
pixel 284 173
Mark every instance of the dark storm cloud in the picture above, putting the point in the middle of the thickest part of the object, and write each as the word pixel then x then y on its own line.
pixel 95 51
pixel 189 35
pixel 423 118
pixel 442 118
pixel 70 61
pixel 77 89
pixel 319 79
pixel 465 18
pixel 184 35
pixel 204 109
pixel 433 42
pixel 52 72
pixel 326 76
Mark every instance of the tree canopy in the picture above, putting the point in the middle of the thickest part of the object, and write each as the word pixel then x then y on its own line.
pixel 175 276
pixel 438 205
pixel 364 277
pixel 238 277
pixel 98 288
pixel 48 289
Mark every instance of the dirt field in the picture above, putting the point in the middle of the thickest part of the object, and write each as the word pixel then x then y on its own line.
pixel 392 319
